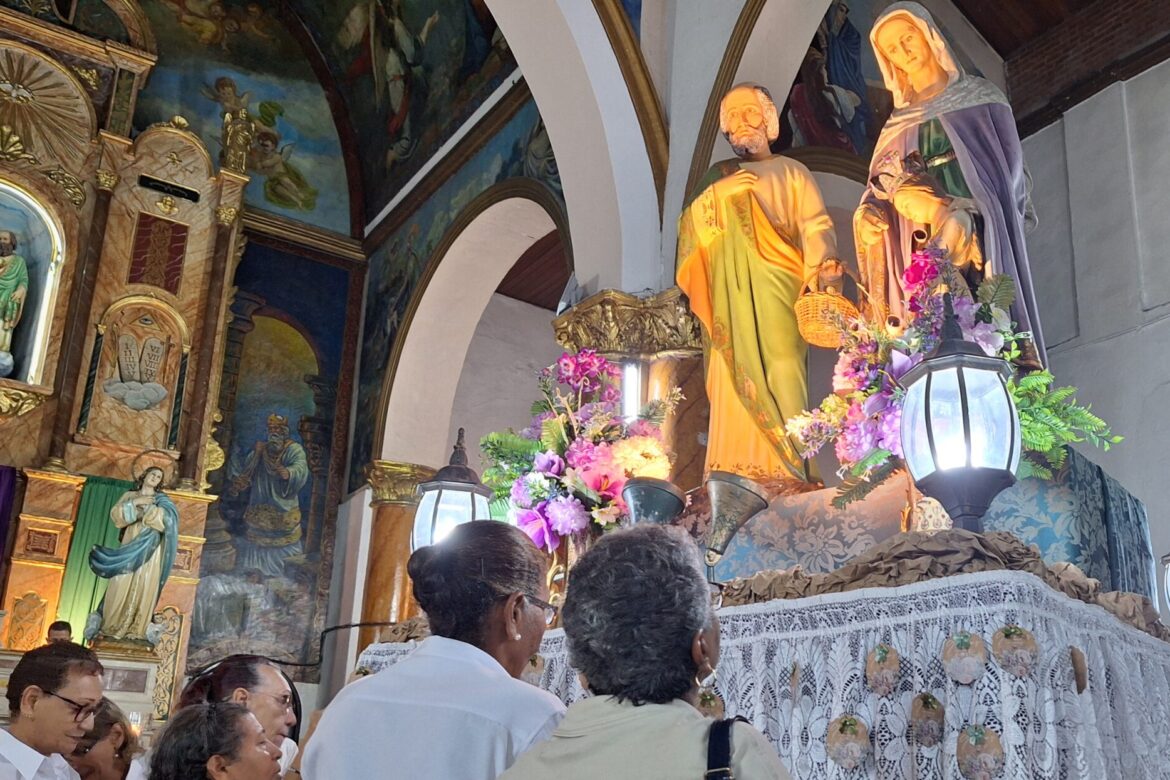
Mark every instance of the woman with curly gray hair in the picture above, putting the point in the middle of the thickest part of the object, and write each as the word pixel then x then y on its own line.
pixel 642 632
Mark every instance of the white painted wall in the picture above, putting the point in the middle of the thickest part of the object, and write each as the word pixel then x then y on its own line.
pixel 512 342
pixel 1102 192
pixel 351 551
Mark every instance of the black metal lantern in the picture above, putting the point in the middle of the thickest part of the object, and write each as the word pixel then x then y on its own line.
pixel 960 429
pixel 653 500
pixel 453 497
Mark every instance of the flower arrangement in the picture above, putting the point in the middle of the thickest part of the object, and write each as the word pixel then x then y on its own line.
pixel 862 418
pixel 563 475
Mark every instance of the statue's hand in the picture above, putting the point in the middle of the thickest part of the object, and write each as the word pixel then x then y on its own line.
pixel 829 274
pixel 871 225
pixel 729 186
pixel 282 472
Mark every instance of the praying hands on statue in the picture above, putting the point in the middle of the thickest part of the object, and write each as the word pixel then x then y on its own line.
pixel 754 232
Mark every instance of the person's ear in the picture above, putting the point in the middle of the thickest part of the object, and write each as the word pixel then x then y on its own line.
pixel 117 737
pixel 239 696
pixel 28 700
pixel 217 767
pixel 513 612
pixel 701 655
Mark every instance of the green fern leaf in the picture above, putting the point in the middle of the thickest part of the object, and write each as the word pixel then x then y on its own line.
pixel 998 290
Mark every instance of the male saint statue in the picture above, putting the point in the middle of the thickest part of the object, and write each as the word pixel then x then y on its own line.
pixel 13 288
pixel 752 234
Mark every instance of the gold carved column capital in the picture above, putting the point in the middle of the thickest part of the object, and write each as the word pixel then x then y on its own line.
pixel 622 326
pixel 226 215
pixel 107 179
pixel 395 482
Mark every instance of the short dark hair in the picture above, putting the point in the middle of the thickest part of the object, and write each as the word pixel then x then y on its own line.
pixel 60 625
pixel 457 581
pixel 633 607
pixel 215 682
pixel 192 737
pixel 48 667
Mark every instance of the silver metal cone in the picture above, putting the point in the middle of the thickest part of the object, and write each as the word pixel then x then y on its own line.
pixel 734 501
pixel 653 500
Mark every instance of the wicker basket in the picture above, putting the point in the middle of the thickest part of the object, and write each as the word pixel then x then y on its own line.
pixel 819 315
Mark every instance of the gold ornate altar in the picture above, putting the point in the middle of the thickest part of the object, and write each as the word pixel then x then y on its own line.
pixel 123 350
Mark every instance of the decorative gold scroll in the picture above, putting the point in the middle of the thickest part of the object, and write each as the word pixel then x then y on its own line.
pixel 622 326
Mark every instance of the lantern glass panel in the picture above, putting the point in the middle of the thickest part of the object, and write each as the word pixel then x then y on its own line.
pixel 455 507
pixel 945 407
pixel 482 511
pixel 992 423
pixel 915 445
pixel 423 515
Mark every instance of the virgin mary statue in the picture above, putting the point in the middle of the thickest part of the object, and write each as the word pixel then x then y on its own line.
pixel 963 128
pixel 139 568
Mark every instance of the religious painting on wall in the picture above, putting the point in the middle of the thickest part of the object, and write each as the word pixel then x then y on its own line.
pixel 411 72
pixel 268 557
pixel 838 100
pixel 94 17
pixel 230 56
pixel 521 149
pixel 30 263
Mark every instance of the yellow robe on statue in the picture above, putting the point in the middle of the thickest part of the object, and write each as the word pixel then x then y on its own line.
pixel 742 262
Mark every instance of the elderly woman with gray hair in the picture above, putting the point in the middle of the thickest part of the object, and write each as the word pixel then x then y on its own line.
pixel 642 632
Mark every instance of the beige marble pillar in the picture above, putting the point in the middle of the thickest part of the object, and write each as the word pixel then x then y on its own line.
pixel 388 596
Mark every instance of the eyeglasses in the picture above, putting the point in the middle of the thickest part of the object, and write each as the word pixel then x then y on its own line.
pixel 284 700
pixel 550 611
pixel 716 594
pixel 81 712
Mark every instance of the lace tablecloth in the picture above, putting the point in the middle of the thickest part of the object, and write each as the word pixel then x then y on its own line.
pixel 1119 727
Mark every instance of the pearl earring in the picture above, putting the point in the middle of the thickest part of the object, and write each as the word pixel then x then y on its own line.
pixel 518 637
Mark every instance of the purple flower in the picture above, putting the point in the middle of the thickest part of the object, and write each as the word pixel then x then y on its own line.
pixel 549 463
pixel 566 515
pixel 535 427
pixel 535 524
pixel 611 394
pixel 521 496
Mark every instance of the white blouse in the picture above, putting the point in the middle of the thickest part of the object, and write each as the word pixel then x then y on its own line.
pixel 449 710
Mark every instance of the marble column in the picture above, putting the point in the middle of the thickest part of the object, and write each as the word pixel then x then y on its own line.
pixel 197 411
pixel 388 595
pixel 77 320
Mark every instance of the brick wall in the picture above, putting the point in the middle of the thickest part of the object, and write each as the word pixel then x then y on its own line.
pixel 1084 54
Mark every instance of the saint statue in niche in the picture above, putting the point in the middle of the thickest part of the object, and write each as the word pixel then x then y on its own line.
pixel 963 128
pixel 139 568
pixel 13 292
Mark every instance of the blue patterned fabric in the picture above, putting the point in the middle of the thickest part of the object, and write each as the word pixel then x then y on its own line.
pixel 1084 517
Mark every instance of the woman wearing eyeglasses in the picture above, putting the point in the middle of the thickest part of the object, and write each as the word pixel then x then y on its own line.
pixel 254 682
pixel 455 708
pixel 214 742
pixel 106 750
pixel 641 631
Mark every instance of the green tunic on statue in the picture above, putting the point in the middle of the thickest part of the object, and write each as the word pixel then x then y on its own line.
pixel 13 277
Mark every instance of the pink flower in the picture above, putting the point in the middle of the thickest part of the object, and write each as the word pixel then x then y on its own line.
pixel 604 479
pixel 644 428
pixel 582 453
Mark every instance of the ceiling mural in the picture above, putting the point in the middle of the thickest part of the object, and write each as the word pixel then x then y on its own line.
pixel 92 17
pixel 224 55
pixel 410 72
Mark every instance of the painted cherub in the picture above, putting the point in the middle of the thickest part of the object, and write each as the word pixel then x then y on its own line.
pixel 225 92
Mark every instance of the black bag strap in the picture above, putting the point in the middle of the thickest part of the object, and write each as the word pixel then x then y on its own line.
pixel 719 750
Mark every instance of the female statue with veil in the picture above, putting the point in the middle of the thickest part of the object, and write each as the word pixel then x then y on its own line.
pixel 139 568
pixel 963 128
